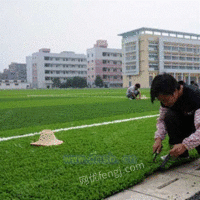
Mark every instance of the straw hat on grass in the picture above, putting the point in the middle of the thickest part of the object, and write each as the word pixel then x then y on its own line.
pixel 47 138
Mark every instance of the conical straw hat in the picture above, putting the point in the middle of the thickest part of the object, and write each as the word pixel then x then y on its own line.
pixel 47 138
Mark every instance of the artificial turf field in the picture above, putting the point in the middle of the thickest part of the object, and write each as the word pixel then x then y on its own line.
pixel 93 162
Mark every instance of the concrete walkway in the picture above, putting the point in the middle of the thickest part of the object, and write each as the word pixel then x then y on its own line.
pixel 179 183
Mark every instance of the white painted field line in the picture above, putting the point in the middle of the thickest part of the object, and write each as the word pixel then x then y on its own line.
pixel 79 127
pixel 68 95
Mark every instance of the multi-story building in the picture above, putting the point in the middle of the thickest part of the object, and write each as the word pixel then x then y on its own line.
pixel 43 67
pixel 13 84
pixel 105 62
pixel 18 71
pixel 148 52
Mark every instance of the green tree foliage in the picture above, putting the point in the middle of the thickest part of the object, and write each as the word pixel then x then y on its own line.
pixel 56 82
pixel 79 82
pixel 75 82
pixel 98 81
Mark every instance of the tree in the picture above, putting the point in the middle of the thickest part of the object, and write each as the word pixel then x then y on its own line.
pixel 79 82
pixel 56 82
pixel 98 81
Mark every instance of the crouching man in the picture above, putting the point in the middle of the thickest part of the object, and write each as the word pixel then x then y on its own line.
pixel 179 115
pixel 133 92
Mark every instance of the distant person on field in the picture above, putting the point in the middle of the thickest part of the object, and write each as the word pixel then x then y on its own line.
pixel 179 115
pixel 194 84
pixel 181 82
pixel 133 92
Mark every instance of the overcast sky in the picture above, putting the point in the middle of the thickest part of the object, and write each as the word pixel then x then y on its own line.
pixel 74 25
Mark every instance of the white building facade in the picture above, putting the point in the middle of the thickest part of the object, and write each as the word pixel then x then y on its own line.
pixel 44 66
pixel 13 84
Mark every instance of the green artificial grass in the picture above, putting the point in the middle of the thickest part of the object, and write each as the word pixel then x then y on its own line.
pixel 92 163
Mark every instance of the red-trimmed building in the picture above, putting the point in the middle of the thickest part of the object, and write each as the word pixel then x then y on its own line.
pixel 105 62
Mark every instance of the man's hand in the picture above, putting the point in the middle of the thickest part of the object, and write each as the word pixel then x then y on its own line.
pixel 157 147
pixel 177 150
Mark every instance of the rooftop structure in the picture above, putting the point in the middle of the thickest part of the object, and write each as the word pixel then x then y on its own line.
pixel 160 32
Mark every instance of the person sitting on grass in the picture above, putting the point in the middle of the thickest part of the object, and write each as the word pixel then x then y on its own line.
pixel 179 115
pixel 133 92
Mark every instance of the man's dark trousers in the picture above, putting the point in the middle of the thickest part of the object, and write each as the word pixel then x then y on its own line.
pixel 179 127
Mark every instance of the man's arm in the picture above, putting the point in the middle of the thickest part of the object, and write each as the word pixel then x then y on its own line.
pixel 161 131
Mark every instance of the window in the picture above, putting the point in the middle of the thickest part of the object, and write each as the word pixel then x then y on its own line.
pixel 181 48
pixel 46 58
pixel 182 58
pixel 174 58
pixel 104 76
pixel 167 57
pixel 150 80
pixel 104 61
pixel 174 48
pixel 167 48
pixel 167 67
pixel 189 58
pixel 114 62
pixel 104 69
pixel 189 50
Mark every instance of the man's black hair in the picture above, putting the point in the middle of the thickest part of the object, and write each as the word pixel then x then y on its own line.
pixel 163 84
pixel 137 85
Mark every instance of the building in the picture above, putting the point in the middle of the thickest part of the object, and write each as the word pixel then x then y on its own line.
pixel 105 62
pixel 13 84
pixel 18 71
pixel 43 67
pixel 148 52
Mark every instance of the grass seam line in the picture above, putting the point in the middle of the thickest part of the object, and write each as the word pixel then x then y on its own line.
pixel 79 127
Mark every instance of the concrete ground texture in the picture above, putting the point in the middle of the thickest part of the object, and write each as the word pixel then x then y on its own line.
pixel 180 183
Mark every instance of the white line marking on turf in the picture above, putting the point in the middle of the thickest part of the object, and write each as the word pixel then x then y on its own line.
pixel 79 127
pixel 124 97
